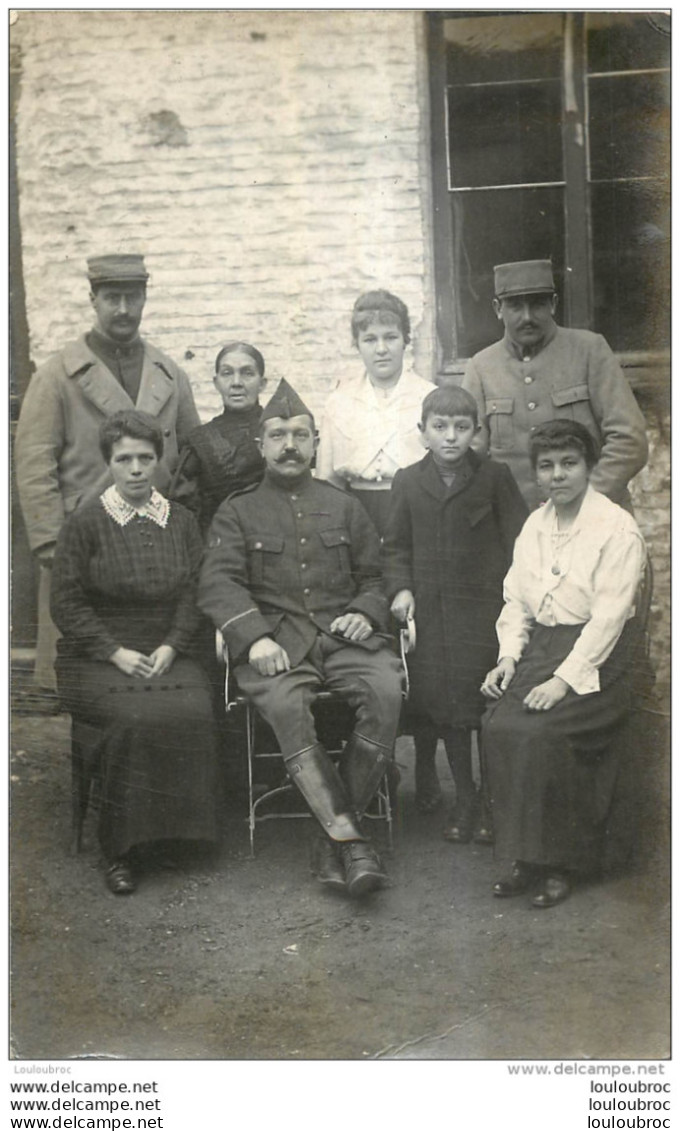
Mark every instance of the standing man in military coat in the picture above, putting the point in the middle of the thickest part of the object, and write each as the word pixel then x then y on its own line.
pixel 540 371
pixel 292 579
pixel 58 461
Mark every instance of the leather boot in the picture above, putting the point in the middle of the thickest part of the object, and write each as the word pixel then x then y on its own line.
pixel 326 861
pixel 363 870
pixel 363 765
pixel 320 784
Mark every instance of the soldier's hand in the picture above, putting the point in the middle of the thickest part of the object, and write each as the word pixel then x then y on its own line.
pixel 403 606
pixel 353 626
pixel 268 657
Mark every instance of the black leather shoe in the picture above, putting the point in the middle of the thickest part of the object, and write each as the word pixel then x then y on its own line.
pixel 516 883
pixel 363 870
pixel 119 879
pixel 553 890
pixel 327 863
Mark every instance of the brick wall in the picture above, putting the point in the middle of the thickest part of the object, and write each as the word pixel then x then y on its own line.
pixel 269 164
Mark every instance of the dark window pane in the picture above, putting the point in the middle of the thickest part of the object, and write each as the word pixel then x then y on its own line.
pixel 628 126
pixel 631 262
pixel 493 49
pixel 628 41
pixel 505 135
pixel 499 227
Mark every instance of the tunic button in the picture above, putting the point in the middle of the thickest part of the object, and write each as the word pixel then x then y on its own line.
pixel 294 498
pixel 302 541
pixel 303 565
pixel 258 545
pixel 300 514
pixel 528 380
pixel 531 405
pixel 306 592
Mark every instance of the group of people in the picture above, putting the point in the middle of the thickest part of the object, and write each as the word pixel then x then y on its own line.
pixel 494 516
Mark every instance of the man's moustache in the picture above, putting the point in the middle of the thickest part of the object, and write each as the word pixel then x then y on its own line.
pixel 288 456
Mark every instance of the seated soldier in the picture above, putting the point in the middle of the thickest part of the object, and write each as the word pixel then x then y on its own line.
pixel 292 579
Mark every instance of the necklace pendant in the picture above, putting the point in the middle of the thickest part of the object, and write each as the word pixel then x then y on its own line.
pixel 555 570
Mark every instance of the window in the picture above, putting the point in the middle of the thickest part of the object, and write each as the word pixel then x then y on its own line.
pixel 550 139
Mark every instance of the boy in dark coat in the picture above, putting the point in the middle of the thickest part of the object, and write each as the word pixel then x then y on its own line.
pixel 451 527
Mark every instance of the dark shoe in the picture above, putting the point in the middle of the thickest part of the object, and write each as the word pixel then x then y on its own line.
pixel 459 829
pixel 428 790
pixel 327 863
pixel 119 879
pixel 516 883
pixel 363 870
pixel 553 890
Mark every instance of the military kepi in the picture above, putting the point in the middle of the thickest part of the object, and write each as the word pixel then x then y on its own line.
pixel 529 277
pixel 285 403
pixel 117 269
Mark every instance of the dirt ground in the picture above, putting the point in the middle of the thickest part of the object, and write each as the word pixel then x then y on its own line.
pixel 223 957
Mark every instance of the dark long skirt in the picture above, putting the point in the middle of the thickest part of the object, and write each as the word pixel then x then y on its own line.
pixel 552 774
pixel 154 744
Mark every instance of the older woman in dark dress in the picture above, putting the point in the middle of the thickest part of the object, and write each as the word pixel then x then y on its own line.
pixel 560 692
pixel 221 457
pixel 125 574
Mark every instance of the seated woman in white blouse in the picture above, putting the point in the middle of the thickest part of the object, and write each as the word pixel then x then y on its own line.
pixel 561 690
pixel 369 426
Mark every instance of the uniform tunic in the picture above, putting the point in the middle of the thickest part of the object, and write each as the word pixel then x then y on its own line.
pixel 451 546
pixel 569 612
pixel 133 586
pixel 575 376
pixel 284 560
pixel 218 459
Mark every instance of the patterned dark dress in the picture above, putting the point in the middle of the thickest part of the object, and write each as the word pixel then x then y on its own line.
pixel 133 586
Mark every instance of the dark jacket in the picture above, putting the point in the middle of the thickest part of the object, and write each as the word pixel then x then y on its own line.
pixel 284 560
pixel 452 546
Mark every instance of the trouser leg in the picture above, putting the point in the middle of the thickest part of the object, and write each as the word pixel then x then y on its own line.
pixel 48 633
pixel 458 744
pixel 428 791
pixel 284 701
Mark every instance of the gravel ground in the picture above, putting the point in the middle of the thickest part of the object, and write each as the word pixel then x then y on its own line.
pixel 219 956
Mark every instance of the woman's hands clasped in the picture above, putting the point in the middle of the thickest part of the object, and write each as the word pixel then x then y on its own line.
pixel 136 664
pixel 540 698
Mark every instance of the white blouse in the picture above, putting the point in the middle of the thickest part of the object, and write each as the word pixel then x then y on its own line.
pixel 586 575
pixel 367 435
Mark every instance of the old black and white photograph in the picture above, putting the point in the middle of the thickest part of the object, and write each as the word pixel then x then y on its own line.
pixel 340 540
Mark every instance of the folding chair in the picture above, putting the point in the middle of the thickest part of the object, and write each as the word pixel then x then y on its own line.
pixel 261 748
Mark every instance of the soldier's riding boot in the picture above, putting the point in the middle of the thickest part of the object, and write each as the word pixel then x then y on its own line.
pixel 326 862
pixel 320 784
pixel 363 766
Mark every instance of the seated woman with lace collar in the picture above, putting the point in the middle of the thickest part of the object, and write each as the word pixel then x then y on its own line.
pixel 125 574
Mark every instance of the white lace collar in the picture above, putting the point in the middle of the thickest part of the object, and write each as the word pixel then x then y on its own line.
pixel 157 508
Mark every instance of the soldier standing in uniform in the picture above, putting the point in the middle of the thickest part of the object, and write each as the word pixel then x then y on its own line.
pixel 58 459
pixel 540 371
pixel 292 579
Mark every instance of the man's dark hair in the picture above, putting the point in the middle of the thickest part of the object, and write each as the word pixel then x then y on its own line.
pixel 449 400
pixel 133 423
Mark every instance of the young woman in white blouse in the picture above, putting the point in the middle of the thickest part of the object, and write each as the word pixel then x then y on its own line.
pixel 369 427
pixel 561 689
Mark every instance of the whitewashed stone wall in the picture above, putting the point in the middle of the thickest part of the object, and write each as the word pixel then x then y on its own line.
pixel 270 165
